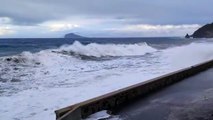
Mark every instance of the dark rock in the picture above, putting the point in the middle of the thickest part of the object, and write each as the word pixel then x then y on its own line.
pixel 204 32
pixel 16 60
pixel 72 35
pixel 187 36
pixel 8 59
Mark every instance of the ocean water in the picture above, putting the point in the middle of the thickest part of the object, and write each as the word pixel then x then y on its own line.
pixel 38 76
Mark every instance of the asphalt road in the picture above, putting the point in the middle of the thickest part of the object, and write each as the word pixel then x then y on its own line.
pixel 190 99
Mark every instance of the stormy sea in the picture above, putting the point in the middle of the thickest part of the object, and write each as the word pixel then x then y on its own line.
pixel 38 76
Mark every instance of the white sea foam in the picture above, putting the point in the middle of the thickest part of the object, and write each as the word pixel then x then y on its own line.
pixel 194 53
pixel 33 85
pixel 99 115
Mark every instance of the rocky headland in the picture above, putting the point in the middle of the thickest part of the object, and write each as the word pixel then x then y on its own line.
pixel 205 31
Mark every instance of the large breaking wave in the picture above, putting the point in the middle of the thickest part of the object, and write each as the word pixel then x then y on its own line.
pixel 77 50
pixel 103 50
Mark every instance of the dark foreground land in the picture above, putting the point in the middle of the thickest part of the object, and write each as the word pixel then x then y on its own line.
pixel 190 99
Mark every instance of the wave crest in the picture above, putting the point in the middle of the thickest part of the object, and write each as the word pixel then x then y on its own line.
pixel 106 50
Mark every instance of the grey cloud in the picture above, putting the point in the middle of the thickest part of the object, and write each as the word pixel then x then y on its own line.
pixel 29 12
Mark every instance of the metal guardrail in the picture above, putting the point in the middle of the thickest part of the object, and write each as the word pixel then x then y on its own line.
pixel 117 98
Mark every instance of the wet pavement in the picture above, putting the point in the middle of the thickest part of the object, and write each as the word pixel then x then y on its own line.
pixel 190 99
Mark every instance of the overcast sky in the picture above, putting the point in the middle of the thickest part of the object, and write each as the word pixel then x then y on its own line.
pixel 103 18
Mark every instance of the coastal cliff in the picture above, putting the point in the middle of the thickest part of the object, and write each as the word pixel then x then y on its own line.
pixel 205 31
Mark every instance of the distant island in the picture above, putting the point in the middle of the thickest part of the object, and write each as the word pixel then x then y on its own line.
pixel 73 35
pixel 205 31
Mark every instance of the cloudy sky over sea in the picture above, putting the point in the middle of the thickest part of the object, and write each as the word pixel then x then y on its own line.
pixel 103 18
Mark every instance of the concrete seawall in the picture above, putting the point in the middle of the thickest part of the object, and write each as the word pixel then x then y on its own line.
pixel 118 98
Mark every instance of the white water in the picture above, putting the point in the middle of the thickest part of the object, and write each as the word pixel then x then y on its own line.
pixel 98 50
pixel 36 84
